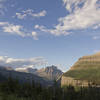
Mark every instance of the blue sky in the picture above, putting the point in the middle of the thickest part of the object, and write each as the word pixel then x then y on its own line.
pixel 39 33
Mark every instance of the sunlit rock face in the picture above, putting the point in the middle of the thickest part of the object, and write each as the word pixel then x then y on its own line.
pixel 50 73
pixel 71 81
pixel 86 70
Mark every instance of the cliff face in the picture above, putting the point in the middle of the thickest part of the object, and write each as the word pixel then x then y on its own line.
pixel 86 69
pixel 71 81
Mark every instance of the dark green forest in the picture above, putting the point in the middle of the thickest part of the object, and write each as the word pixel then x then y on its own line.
pixel 14 90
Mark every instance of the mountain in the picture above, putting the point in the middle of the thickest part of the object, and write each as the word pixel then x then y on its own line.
pixel 49 73
pixel 22 76
pixel 86 69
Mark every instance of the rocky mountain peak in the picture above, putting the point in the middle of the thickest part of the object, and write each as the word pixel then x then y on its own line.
pixel 50 72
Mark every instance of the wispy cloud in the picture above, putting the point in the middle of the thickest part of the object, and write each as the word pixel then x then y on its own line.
pixel 22 63
pixel 55 32
pixel 83 14
pixel 30 13
pixel 17 30
pixel 14 29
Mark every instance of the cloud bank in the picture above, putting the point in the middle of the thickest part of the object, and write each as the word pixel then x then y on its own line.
pixel 83 14
pixel 22 63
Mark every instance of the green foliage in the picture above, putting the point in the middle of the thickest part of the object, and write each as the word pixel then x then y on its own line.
pixel 13 90
pixel 85 74
pixel 85 70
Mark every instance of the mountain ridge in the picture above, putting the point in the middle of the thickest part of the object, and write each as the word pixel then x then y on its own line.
pixel 49 73
pixel 22 76
pixel 87 69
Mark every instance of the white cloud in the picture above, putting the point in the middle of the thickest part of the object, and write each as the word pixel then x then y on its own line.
pixel 30 13
pixel 24 68
pixel 14 29
pixel 3 23
pixel 40 14
pixel 22 63
pixel 52 31
pixel 34 34
pixel 17 30
pixel 20 16
pixel 83 14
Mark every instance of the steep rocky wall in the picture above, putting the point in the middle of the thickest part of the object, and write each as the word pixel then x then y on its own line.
pixel 65 81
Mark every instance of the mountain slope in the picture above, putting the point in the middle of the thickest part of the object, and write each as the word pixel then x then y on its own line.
pixel 22 76
pixel 49 73
pixel 85 69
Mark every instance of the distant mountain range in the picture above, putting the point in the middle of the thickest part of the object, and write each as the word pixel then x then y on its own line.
pixel 49 73
pixel 44 76
pixel 86 69
pixel 6 72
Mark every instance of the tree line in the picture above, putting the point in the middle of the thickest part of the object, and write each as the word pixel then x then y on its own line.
pixel 14 90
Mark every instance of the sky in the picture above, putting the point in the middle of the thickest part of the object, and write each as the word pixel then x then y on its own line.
pixel 35 33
